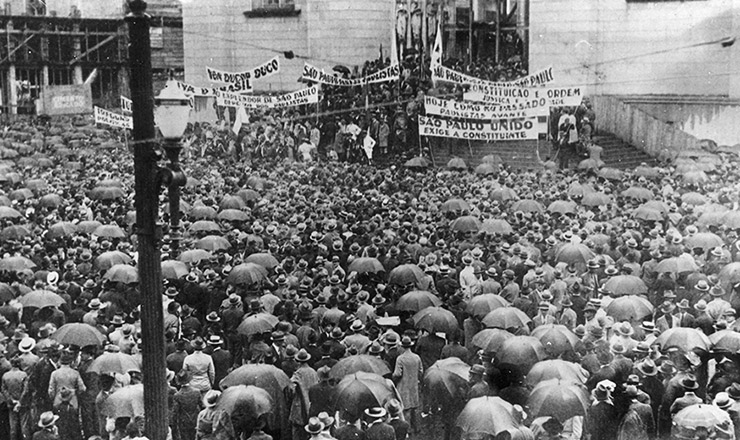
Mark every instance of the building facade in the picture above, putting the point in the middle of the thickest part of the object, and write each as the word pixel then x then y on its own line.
pixel 236 35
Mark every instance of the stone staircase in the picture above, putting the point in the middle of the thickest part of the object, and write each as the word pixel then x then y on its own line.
pixel 621 155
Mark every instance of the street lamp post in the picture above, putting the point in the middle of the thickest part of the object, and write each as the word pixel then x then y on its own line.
pixel 171 115
pixel 147 178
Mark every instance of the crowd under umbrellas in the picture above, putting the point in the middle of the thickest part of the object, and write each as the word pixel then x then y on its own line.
pixel 535 304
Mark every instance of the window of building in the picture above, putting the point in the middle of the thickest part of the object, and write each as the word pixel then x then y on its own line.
pixel 272 8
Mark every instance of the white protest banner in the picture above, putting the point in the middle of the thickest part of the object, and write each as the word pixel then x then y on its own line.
pixel 309 95
pixel 476 110
pixel 498 130
pixel 536 79
pixel 192 90
pixel 127 105
pixel 264 70
pixel 103 116
pixel 313 74
pixel 526 97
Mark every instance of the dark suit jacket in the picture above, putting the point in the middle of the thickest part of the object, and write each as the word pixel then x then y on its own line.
pixel 222 361
pixel 321 397
pixel 349 432
pixel 401 427
pixel 380 431
pixel 601 422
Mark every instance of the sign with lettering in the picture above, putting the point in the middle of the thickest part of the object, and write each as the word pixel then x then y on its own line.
pixel 497 130
pixel 106 117
pixel 67 99
pixel 127 105
pixel 476 110
pixel 309 95
pixel 513 98
pixel 313 74
pixel 536 79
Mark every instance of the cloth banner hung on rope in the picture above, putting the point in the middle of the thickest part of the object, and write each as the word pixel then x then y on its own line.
pixel 242 81
pixel 475 110
pixel 536 79
pixel 314 74
pixel 525 98
pixel 308 95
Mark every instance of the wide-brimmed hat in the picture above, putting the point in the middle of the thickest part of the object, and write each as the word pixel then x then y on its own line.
pixel 702 286
pixel 717 291
pixel 213 317
pixel 171 292
pixel 667 307
pixel 391 338
pixel 689 383
pixel 375 348
pixel 722 401
pixel 596 332
pixel 734 391
pixel 406 342
pixel 566 302
pixel 326 419
pixel 647 368
pixel 336 334
pixel 357 326
pixel 302 356
pixel 625 329
pixel 26 345
pixel 700 306
pixel 376 412
pixel 215 340
pixel 199 343
pixel 211 398
pixel 667 367
pixel 314 426
pixel 47 419
pixel 618 349
pixel 683 304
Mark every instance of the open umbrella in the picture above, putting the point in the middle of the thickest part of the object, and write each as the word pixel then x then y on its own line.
pixel 726 340
pixel 557 399
pixel 574 253
pixel 266 376
pixel 684 263
pixel 246 273
pixel 490 340
pixel 625 285
pixel 21 194
pixel 50 201
pixel 683 338
pixel 611 173
pixel 629 308
pixel 360 391
pixel 88 226
pixel 122 273
pixel 481 305
pixel 202 212
pixel 506 318
pixel 556 369
pixel 406 274
pixel 704 240
pixel 699 416
pixel 213 243
pixel 592 199
pixel 106 193
pixel 638 193
pixel 204 226
pixel 693 198
pixel 556 339
pixel 41 299
pixel 457 164
pixel 257 323
pixel 417 162
pixel 359 362
pixel 454 205
pixel 446 380
pixel 173 269
pixel 436 320
pixel 729 275
pixel 6 293
pixel 108 259
pixel 493 159
pixel 486 416
pixel 268 261
pixel 8 212
pixel 647 171
pixel 109 231
pixel 417 300
pixel 486 169
pixel 466 223
pixel 496 226
pixel 503 194
pixel 195 256
pixel 126 402
pixel 79 334
pixel 233 215
pixel 248 195
pixel 16 264
pixel 562 207
pixel 520 353
pixel 245 400
pixel 232 202
pixel 118 362
pixel 647 214
pixel 14 232
pixel 366 265
pixel 528 205
pixel 61 229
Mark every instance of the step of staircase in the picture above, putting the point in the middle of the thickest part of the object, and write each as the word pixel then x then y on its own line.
pixel 621 155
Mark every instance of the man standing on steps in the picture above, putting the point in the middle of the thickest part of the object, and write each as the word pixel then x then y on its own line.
pixel 567 137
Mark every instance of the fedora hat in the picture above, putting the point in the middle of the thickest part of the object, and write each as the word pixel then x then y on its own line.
pixel 302 356
pixel 580 331
pixel 47 420
pixel 667 368
pixel 700 306
pixel 357 326
pixel 95 304
pixel 391 338
pixel 618 349
pixel 683 304
pixel 667 307
pixel 326 419
pixel 26 345
pixel 406 342
pixel 689 383
pixel 211 398
pixel 702 286
pixel 669 294
pixel 375 348
pixel 734 391
pixel 336 334
pixel 213 317
pixel 215 340
pixel 566 302
pixel 171 292
pixel 376 412
pixel 314 426
pixel 199 344
pixel 717 291
pixel 625 329
pixel 378 300
pixel 647 368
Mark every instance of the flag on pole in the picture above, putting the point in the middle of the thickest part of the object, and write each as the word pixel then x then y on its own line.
pixel 241 117
pixel 436 57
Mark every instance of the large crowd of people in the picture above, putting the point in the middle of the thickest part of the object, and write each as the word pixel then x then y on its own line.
pixel 336 299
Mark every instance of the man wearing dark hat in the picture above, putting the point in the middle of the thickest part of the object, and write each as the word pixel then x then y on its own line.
pixel 322 394
pixel 12 388
pixel 446 285
pixel 638 422
pixel 36 392
pixel 669 319
pixel 302 380
pixel 200 366
pixel 65 377
pixel 222 359
pixel 689 397
pixel 601 418
pixel 477 382
pixel 407 376
pixel 568 316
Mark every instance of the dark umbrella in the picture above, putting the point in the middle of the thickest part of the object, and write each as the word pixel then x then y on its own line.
pixel 436 320
pixel 365 265
pixel 16 264
pixel 41 299
pixel 455 205
pixel 265 376
pixel 14 232
pixel 557 399
pixel 6 293
pixel 417 300
pixel 61 229
pixel 556 339
pixel 417 162
pixel 246 273
pixel 684 338
pixel 446 381
pixel 528 205
pixel 556 369
pixel 122 273
pixel 108 259
pixel 268 261
pixel 503 194
pixel 457 164
pixel 106 193
pixel 467 223
pixel 629 308
pixel 486 416
pixel 521 353
pixel 205 226
pixel 506 318
pixel 406 274
pixel 213 243
pixel 245 400
pixel 79 334
pixel 360 362
pixel 621 285
pixel 360 391
pixel 120 363
pixel 248 195
pixel 496 226
pixel 257 323
pixel 232 202
pixel 481 305
pixel 490 340
pixel 173 269
pixel 50 201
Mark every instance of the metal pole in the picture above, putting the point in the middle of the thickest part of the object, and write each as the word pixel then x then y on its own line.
pixel 498 31
pixel 173 148
pixel 470 33
pixel 146 200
